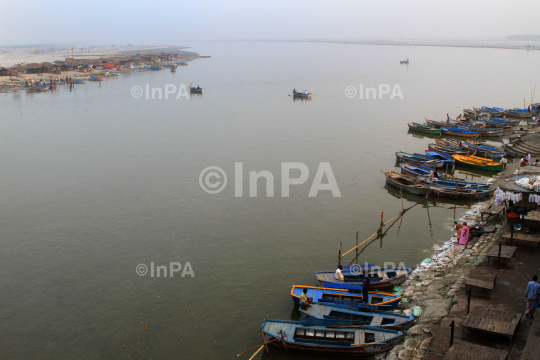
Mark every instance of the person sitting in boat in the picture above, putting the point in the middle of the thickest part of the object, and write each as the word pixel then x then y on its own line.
pixel 339 275
pixel 294 91
pixel 305 301
pixel 434 175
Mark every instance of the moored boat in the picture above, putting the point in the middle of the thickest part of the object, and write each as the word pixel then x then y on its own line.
pixel 424 128
pixel 377 301
pixel 478 163
pixel 195 88
pixel 448 160
pixel 379 278
pixel 327 339
pixel 418 159
pixel 38 88
pixel 446 149
pixel 439 124
pixel 458 132
pixel 95 78
pixel 404 61
pixel 388 320
pixel 406 184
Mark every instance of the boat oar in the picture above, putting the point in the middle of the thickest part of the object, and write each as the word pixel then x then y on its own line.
pixel 256 352
pixel 253 348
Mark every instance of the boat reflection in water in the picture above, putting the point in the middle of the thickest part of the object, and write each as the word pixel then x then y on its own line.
pixel 422 135
pixel 433 201
pixel 301 99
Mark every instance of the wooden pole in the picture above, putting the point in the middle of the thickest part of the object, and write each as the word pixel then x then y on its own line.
pixel 402 206
pixel 256 352
pixel 339 258
pixel 283 339
pixel 452 325
pixel 357 244
pixel 469 301
pixel 266 346
pixel 499 256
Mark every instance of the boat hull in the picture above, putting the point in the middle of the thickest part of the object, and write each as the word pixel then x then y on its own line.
pixel 466 161
pixel 409 190
pixel 424 130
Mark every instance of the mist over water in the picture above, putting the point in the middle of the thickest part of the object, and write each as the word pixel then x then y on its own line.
pixel 95 182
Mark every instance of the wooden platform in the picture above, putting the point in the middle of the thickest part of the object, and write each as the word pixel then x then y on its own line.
pixel 462 350
pixel 482 278
pixel 492 211
pixel 492 321
pixel 507 252
pixel 533 239
pixel 532 349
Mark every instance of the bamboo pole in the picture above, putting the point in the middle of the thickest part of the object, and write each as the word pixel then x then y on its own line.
pixel 283 340
pixel 253 348
pixel 264 341
pixel 256 352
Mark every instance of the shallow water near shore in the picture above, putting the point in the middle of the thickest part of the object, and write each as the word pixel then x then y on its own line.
pixel 95 182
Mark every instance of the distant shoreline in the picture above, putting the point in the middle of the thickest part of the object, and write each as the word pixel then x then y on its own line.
pixel 485 44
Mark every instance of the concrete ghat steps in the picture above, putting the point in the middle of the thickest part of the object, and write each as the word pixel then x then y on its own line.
pixel 519 148
pixel 532 348
pixel 526 146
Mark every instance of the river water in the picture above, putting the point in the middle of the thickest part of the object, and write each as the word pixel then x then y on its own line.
pixel 96 181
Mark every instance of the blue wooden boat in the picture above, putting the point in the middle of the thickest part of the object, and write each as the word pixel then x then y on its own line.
pixel 195 88
pixel 379 278
pixel 451 183
pixel 448 159
pixel 329 339
pixel 387 320
pixel 378 301
pixel 95 78
pixel 302 93
pixel 418 159
pixel 446 149
pixel 39 88
pixel 418 170
pixel 458 132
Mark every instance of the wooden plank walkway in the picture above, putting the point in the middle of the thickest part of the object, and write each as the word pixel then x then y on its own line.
pixel 532 349
pixel 507 252
pixel 533 239
pixel 492 211
pixel 462 350
pixel 492 321
pixel 483 279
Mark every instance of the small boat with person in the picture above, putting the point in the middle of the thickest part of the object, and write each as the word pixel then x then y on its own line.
pixel 332 339
pixel 439 124
pixel 353 279
pixel 197 88
pixel 377 301
pixel 301 93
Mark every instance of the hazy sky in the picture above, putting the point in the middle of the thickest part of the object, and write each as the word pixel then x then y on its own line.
pixel 174 21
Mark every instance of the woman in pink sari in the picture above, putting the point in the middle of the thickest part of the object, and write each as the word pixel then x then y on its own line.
pixel 464 238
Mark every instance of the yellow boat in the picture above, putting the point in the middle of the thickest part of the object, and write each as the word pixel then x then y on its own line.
pixel 477 162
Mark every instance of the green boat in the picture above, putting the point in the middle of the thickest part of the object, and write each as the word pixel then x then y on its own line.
pixel 424 129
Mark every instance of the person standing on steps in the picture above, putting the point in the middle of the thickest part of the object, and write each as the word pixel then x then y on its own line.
pixel 532 293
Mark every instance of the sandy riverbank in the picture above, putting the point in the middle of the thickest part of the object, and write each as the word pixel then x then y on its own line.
pixel 15 56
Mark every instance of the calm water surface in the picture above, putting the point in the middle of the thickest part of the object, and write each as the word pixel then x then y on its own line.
pixel 95 182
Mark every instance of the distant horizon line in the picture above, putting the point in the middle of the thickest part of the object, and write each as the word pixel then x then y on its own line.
pixel 87 44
